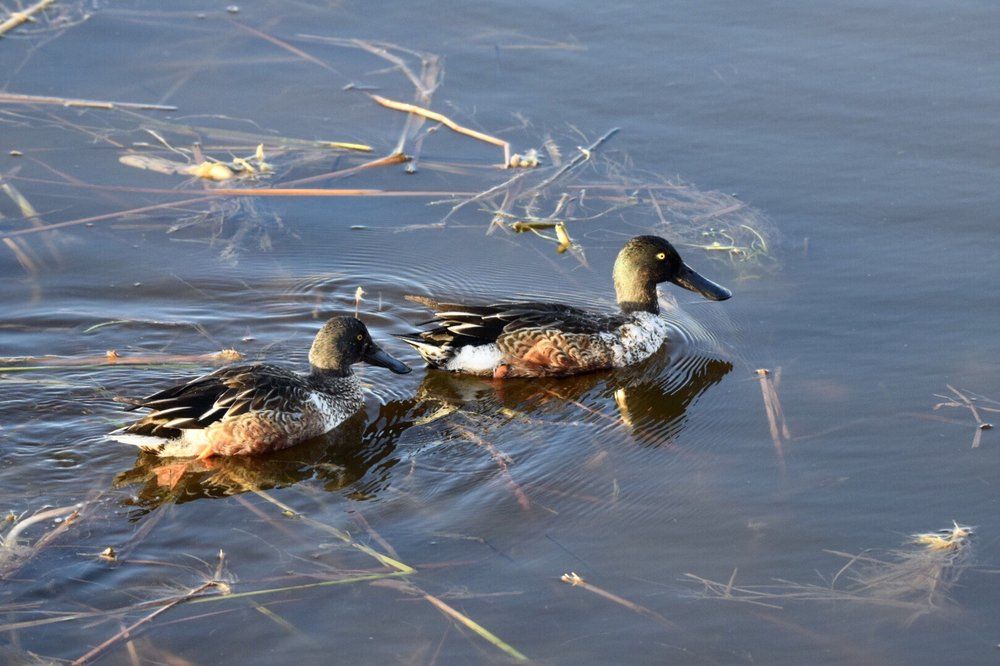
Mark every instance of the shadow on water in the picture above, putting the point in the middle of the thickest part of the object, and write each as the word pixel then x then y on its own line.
pixel 651 397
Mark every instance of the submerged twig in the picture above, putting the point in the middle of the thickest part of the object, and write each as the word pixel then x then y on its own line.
pixel 501 460
pixel 343 536
pixel 127 631
pixel 577 581
pixel 463 619
pixel 775 415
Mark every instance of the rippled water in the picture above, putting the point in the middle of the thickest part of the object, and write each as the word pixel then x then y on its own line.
pixel 858 140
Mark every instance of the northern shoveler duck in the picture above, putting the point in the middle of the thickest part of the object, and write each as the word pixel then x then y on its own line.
pixel 249 409
pixel 550 339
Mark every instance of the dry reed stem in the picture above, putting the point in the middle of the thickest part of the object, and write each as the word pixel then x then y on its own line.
pixel 18 98
pixel 156 603
pixel 501 460
pixel 446 121
pixel 424 85
pixel 577 581
pixel 381 50
pixel 395 158
pixel 323 192
pixel 243 192
pixel 486 194
pixel 17 18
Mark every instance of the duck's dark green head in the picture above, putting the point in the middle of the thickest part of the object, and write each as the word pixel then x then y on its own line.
pixel 344 341
pixel 646 261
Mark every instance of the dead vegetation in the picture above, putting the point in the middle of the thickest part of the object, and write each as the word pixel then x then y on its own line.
pixel 975 403
pixel 915 580
pixel 214 583
pixel 558 190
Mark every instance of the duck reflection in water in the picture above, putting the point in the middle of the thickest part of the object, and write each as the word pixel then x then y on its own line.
pixel 358 458
pixel 650 398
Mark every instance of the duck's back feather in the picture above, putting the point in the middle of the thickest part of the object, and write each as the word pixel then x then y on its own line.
pixel 539 338
pixel 223 394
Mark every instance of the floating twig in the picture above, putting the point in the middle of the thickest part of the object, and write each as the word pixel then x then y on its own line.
pixel 25 15
pixel 446 121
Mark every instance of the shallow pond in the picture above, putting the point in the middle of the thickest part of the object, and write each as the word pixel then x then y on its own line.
pixel 834 166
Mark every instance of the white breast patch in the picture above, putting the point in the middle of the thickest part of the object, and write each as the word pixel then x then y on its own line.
pixel 637 339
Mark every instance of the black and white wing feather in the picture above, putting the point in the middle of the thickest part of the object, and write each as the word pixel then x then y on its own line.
pixel 458 324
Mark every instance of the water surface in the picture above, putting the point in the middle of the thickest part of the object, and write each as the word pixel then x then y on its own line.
pixel 861 139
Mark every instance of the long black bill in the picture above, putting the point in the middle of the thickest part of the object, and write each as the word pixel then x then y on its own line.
pixel 689 279
pixel 376 356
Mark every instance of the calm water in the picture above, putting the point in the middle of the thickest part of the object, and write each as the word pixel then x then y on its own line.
pixel 863 140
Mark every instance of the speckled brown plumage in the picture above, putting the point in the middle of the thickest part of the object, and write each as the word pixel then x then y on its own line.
pixel 534 352
pixel 250 409
pixel 532 339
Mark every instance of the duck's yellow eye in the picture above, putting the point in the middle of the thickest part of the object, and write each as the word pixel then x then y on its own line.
pixel 360 336
pixel 661 256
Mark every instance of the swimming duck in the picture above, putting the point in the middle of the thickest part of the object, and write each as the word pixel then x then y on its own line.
pixel 250 409
pixel 527 339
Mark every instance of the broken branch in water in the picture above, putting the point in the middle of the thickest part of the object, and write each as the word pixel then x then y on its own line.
pixel 446 121
pixel 25 15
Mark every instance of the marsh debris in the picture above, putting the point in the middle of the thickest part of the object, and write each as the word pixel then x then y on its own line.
pixel 973 402
pixel 915 580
